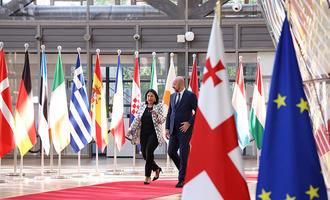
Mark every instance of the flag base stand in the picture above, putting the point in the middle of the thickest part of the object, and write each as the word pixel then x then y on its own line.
pixel 132 171
pixel 79 175
pixel 21 179
pixel 41 178
pixel 61 177
pixel 114 172
pixel 97 174
pixel 50 172
pixel 14 174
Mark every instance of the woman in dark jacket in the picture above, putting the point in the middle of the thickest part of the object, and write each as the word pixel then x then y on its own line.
pixel 148 131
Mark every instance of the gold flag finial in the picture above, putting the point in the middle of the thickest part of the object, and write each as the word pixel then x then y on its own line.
pixel 287 5
pixel 217 10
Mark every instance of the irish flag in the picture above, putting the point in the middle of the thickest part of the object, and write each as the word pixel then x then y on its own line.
pixel 58 109
pixel 25 134
pixel 258 110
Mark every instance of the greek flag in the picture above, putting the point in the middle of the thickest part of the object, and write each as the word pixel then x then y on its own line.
pixel 79 114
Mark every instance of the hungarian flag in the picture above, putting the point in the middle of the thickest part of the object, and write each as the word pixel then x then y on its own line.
pixel 153 80
pixel 240 109
pixel 98 109
pixel 215 169
pixel 43 127
pixel 25 133
pixel 168 88
pixel 58 110
pixel 117 121
pixel 193 84
pixel 136 92
pixel 258 109
pixel 7 124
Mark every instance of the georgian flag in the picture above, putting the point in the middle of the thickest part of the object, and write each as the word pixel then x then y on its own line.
pixel 215 168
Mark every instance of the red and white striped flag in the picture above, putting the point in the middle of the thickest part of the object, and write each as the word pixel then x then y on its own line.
pixel 7 124
pixel 215 169
pixel 193 84
pixel 25 134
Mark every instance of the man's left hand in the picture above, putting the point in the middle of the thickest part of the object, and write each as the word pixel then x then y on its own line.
pixel 184 126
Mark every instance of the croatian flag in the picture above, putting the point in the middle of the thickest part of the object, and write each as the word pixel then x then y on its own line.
pixel 215 169
pixel 79 115
pixel 117 123
pixel 136 92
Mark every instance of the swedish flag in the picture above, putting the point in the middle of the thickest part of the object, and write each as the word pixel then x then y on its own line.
pixel 289 165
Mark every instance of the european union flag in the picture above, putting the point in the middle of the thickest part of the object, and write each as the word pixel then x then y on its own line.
pixel 289 165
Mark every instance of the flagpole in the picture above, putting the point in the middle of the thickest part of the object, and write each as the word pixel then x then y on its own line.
pixel 51 162
pixel 42 146
pixel 97 158
pixel 115 155
pixel 1 180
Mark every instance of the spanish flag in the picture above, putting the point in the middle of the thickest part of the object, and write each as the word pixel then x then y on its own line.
pixel 25 134
pixel 98 109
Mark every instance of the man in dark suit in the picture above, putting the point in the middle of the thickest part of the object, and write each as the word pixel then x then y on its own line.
pixel 179 124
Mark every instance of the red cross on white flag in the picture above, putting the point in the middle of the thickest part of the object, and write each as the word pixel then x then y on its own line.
pixel 215 168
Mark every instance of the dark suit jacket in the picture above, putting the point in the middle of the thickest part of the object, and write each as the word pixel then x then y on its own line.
pixel 182 112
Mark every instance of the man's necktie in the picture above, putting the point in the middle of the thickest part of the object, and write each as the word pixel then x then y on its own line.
pixel 177 99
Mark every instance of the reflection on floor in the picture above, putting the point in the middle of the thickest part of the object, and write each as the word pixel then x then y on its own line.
pixel 34 182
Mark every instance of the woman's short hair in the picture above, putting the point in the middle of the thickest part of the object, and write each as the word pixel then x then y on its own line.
pixel 153 92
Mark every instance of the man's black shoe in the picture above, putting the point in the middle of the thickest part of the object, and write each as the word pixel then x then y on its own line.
pixel 179 184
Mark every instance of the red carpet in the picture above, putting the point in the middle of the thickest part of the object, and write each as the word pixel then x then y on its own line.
pixel 251 178
pixel 115 190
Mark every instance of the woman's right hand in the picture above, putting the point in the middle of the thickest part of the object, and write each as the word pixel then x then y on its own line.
pixel 129 132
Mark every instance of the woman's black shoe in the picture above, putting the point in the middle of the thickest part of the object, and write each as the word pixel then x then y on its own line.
pixel 147 181
pixel 156 177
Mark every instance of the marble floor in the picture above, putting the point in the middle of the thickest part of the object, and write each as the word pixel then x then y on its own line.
pixel 70 176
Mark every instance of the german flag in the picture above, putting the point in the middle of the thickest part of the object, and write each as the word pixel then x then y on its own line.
pixel 25 134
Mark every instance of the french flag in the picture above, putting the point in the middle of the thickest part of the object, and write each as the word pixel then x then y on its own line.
pixel 136 92
pixel 117 124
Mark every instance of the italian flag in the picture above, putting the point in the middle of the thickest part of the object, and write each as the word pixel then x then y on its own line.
pixel 58 109
pixel 258 110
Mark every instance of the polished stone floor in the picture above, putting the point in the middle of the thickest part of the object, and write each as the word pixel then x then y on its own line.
pixel 34 182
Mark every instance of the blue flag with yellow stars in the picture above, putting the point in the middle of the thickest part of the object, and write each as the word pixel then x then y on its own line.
pixel 289 165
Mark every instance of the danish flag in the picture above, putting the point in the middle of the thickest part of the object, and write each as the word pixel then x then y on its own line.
pixel 215 168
